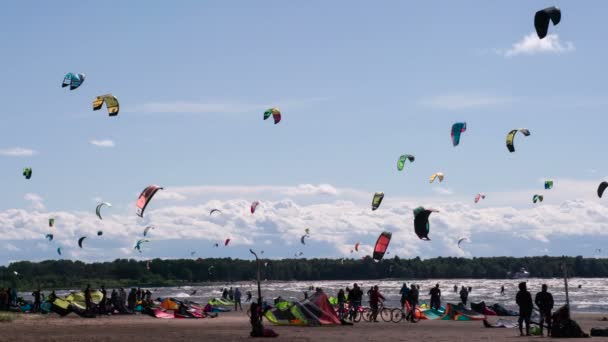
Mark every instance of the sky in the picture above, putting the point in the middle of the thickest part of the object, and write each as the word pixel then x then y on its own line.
pixel 358 84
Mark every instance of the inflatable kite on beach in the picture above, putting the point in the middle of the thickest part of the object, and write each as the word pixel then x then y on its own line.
pixel 381 245
pixel 421 222
pixel 276 114
pixel 98 208
pixel 511 137
pixel 378 196
pixel 542 18
pixel 457 129
pixel 111 104
pixel 73 80
pixel 403 159
pixel 145 197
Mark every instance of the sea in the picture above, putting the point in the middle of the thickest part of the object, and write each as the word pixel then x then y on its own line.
pixel 585 294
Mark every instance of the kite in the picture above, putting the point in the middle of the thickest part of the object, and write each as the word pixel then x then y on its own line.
pixel 216 245
pixel 215 211
pixel 436 175
pixel 378 197
pixel 227 242
pixel 511 137
pixel 403 159
pixel 357 247
pixel 111 104
pixel 601 188
pixel 49 237
pixel 80 241
pixel 192 253
pixel 462 240
pixel 421 222
pixel 59 250
pixel 138 244
pixel 210 269
pixel 98 208
pixel 457 129
pixel 145 197
pixel 542 18
pixel 147 229
pixel 302 239
pixel 537 198
pixel 548 184
pixel 276 114
pixel 381 245
pixel 307 231
pixel 254 205
pixel 51 222
pixel 479 196
pixel 73 80
pixel 99 233
pixel 27 172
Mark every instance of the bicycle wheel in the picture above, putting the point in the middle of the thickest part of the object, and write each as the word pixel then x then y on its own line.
pixel 397 315
pixel 386 314
pixel 417 315
pixel 366 314
pixel 357 316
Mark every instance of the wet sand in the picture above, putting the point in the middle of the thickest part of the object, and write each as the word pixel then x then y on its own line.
pixel 234 326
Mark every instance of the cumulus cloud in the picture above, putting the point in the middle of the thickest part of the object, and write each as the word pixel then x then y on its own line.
pixel 35 200
pixel 465 101
pixel 531 45
pixel 102 143
pixel 17 152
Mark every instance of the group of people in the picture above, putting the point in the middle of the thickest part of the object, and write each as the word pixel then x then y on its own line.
pixel 544 302
pixel 8 298
pixel 235 295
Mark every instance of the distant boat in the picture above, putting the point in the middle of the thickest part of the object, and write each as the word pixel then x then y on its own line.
pixel 521 274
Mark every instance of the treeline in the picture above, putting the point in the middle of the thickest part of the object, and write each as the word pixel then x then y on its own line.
pixel 122 272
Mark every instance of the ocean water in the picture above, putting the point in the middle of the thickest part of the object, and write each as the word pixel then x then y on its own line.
pixel 592 296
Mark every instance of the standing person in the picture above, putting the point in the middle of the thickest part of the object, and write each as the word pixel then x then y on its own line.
pixel 470 289
pixel 544 301
pixel 404 293
pixel 225 293
pixel 524 300
pixel 237 299
pixel 464 295
pixel 131 300
pixel 102 303
pixel 435 297
pixel 502 290
pixel 455 288
pixel 36 295
pixel 341 300
pixel 87 298
pixel 374 299
pixel 412 300
pixel 231 293
pixel 355 301
pixel 249 295
pixel 148 297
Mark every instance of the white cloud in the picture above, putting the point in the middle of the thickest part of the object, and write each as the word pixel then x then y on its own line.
pixel 531 45
pixel 465 101
pixel 17 152
pixel 36 201
pixel 102 143
pixel 12 248
pixel 443 191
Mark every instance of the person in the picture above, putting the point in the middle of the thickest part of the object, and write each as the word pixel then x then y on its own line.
pixel 305 294
pixel 470 289
pixel 102 303
pixel 237 299
pixel 87 298
pixel 225 293
pixel 122 296
pixel 412 300
pixel 257 329
pixel 524 300
pixel 374 299
pixel 544 302
pixel 341 300
pixel 435 297
pixel 231 293
pixel 355 301
pixel 403 292
pixel 148 297
pixel 455 288
pixel 114 299
pixel 131 300
pixel 502 290
pixel 464 295
pixel 36 295
pixel 52 297
pixel 249 295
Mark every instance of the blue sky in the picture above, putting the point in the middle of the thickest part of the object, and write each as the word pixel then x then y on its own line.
pixel 358 83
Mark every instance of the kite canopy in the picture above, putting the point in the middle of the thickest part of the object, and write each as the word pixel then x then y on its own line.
pixel 59 250
pixel 227 242
pixel 421 222
pixel 378 197
pixel 537 198
pixel 80 241
pixel 214 211
pixel 73 80
pixel 302 239
pixel 147 229
pixel 99 233
pixel 111 104
pixel 542 18
pixel 254 205
pixel 511 137
pixel 461 240
pixel 138 244
pixel 357 246
pixel 27 172
pixel 98 208
pixel 402 159
pixel 381 245
pixel 145 197
pixel 436 175
pixel 49 237
pixel 51 222
pixel 457 129
pixel 276 114
pixel 548 184
pixel 601 188
pixel 479 196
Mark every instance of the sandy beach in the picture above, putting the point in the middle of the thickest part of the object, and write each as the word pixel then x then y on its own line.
pixel 235 327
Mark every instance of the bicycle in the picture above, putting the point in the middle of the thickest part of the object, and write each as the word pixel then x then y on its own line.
pixel 399 314
pixel 384 313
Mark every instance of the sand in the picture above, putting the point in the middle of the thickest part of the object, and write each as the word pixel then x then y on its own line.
pixel 234 326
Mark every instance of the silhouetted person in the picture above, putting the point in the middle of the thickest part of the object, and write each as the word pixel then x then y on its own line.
pixel 455 288
pixel 435 297
pixel 248 297
pixel 412 299
pixel 87 298
pixel 36 295
pixel 524 300
pixel 464 295
pixel 102 303
pixel 544 301
pixel 502 290
pixel 237 299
